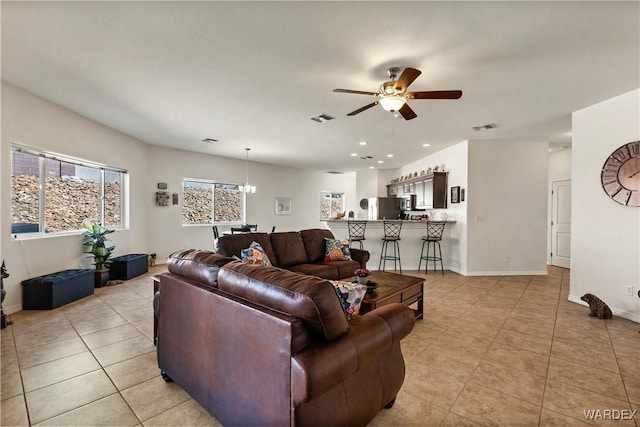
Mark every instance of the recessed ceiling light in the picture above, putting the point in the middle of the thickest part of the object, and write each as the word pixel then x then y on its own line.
pixel 372 167
pixel 362 142
pixel 389 155
pixel 209 140
pixel 380 161
pixel 426 145
pixel 353 154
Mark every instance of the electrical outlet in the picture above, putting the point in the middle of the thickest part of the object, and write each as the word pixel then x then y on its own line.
pixel 629 290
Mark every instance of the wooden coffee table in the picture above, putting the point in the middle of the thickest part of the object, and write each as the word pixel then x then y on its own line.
pixel 392 288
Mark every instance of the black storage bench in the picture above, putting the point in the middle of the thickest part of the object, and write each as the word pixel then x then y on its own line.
pixel 128 266
pixel 57 289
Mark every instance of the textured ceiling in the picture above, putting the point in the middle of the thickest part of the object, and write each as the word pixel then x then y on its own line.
pixel 251 74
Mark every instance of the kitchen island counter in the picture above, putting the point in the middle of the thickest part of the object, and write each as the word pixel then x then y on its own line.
pixel 410 243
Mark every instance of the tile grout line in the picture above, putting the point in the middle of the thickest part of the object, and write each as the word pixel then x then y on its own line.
pixel 546 377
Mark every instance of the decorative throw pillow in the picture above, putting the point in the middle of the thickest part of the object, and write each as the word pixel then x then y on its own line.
pixel 337 250
pixel 255 254
pixel 350 295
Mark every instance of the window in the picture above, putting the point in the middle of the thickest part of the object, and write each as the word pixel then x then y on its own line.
pixel 52 193
pixel 206 202
pixel 331 204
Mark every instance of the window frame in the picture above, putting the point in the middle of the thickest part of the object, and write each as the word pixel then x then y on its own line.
pixel 213 183
pixel 44 155
pixel 332 193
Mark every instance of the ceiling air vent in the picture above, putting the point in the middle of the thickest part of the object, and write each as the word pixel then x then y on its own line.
pixel 366 157
pixel 210 140
pixel 483 127
pixel 322 118
pixel 335 172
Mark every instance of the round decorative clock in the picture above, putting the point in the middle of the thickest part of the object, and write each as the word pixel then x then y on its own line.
pixel 621 174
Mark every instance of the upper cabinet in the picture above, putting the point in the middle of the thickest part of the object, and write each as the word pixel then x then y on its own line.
pixel 430 190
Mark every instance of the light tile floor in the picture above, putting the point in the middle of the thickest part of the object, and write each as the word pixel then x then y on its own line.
pixel 509 351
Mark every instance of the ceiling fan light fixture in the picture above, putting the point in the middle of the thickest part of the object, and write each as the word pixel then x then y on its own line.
pixel 392 103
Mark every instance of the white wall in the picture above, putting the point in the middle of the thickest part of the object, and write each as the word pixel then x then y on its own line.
pixel 302 186
pixel 507 208
pixel 455 161
pixel 605 244
pixel 366 186
pixel 559 170
pixel 31 120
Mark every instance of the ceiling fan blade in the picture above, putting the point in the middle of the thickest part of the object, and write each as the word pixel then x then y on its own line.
pixel 406 78
pixel 360 110
pixel 407 112
pixel 435 94
pixel 357 92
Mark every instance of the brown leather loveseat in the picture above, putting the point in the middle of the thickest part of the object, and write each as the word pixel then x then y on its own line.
pixel 299 251
pixel 258 346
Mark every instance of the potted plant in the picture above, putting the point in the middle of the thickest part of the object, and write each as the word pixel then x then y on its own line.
pixel 97 236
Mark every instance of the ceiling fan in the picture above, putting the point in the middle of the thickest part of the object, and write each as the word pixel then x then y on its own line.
pixel 393 94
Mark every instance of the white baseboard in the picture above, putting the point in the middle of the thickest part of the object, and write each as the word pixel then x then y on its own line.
pixel 13 309
pixel 508 273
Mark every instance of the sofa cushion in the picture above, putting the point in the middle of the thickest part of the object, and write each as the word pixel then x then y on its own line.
pixel 311 299
pixel 233 244
pixel 290 248
pixel 324 271
pixel 337 250
pixel 199 265
pixel 351 295
pixel 345 268
pixel 255 254
pixel 314 243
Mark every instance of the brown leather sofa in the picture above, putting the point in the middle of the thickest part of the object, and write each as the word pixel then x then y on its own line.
pixel 263 346
pixel 299 251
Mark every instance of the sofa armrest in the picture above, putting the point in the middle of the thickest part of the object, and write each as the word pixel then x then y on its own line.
pixel 323 365
pixel 360 256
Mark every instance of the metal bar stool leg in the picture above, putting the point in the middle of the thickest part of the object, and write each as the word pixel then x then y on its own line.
pixel 440 255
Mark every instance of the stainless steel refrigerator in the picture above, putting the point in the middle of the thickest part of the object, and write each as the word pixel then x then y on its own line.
pixel 384 208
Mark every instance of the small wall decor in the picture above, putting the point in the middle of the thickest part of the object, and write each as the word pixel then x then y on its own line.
pixel 163 198
pixel 174 198
pixel 162 186
pixel 455 194
pixel 283 205
pixel 462 194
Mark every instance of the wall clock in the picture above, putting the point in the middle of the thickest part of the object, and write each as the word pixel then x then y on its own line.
pixel 621 174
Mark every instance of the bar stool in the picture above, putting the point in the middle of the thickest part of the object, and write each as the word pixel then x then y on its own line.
pixel 391 235
pixel 356 232
pixel 434 236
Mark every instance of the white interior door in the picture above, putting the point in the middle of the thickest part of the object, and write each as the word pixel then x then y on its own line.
pixel 561 223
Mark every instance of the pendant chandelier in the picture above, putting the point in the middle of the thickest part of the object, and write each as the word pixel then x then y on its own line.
pixel 247 188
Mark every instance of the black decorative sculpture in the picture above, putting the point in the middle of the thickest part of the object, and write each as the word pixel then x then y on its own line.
pixel 3 318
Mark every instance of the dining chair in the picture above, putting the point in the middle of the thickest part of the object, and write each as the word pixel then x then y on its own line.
pixel 216 234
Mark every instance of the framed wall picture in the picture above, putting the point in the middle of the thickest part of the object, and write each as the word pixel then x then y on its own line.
pixel 283 205
pixel 455 194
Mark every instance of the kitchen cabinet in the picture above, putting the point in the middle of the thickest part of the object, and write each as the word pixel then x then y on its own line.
pixel 430 190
